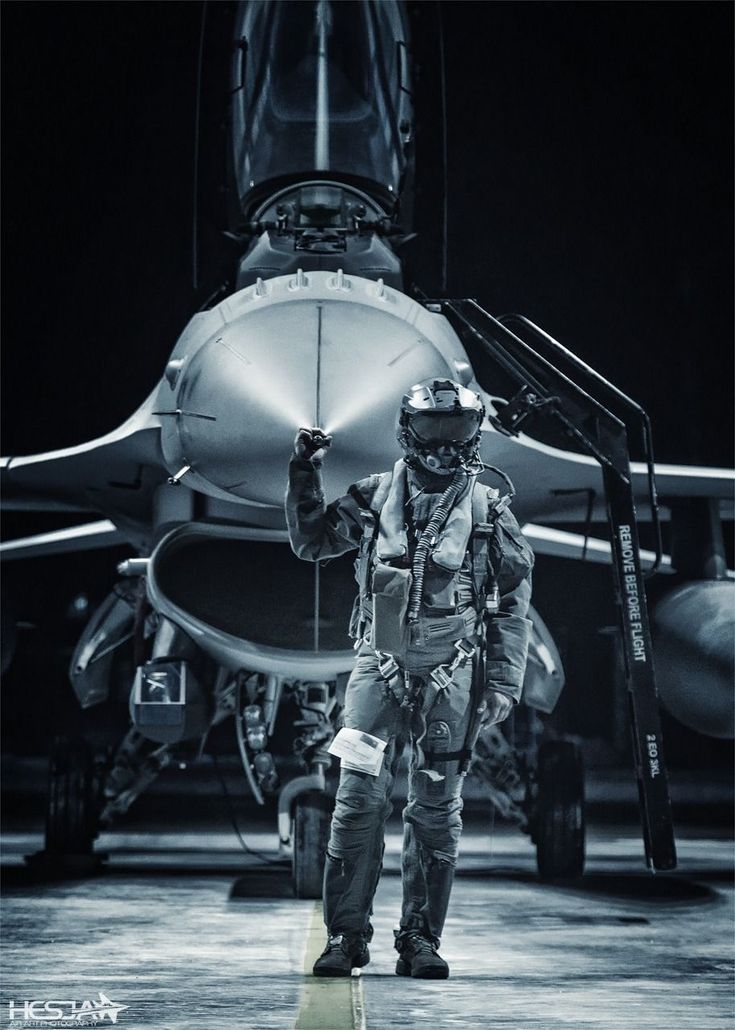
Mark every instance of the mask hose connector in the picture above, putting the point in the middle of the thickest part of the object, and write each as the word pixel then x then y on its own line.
pixel 504 476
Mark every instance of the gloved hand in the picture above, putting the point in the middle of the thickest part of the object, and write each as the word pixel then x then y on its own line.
pixel 311 443
pixel 499 707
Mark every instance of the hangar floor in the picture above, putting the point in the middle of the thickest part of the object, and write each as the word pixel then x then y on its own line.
pixel 185 932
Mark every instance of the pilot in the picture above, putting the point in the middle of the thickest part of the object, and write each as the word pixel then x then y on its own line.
pixel 441 634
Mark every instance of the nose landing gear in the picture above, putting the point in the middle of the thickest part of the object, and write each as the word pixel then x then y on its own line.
pixel 309 836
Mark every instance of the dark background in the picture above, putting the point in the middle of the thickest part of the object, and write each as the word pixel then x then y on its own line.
pixel 590 187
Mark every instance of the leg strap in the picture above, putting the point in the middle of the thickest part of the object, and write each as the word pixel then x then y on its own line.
pixel 434 757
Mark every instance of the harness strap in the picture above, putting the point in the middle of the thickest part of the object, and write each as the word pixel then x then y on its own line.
pixel 487 506
pixel 364 555
pixel 442 675
pixel 439 678
pixel 359 499
pixel 436 757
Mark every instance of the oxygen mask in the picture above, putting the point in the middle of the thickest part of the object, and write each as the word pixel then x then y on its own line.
pixel 441 444
pixel 440 457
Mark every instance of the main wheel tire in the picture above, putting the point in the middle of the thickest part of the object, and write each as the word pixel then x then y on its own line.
pixel 310 833
pixel 71 812
pixel 559 823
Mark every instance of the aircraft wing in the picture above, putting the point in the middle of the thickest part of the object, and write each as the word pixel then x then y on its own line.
pixel 560 544
pixel 555 485
pixel 691 481
pixel 86 537
pixel 114 475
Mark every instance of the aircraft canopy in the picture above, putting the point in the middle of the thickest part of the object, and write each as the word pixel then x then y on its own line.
pixel 320 87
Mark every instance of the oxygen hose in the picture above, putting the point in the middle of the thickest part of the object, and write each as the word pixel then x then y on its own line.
pixel 428 537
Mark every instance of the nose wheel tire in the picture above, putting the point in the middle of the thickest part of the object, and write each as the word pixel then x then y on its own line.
pixel 71 811
pixel 309 835
pixel 559 823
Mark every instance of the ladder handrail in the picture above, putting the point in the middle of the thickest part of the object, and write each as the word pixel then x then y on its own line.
pixel 645 422
pixel 545 387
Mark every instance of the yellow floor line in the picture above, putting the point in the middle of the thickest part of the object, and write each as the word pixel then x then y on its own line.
pixel 328 1003
pixel 359 1012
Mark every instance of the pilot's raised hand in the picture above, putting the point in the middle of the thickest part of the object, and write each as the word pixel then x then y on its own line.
pixel 499 707
pixel 311 443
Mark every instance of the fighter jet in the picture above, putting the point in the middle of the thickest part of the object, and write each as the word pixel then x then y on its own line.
pixel 316 322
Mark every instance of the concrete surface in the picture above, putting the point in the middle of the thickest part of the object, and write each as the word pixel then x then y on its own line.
pixel 162 932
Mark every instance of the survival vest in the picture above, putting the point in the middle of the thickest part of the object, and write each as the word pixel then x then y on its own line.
pixel 487 506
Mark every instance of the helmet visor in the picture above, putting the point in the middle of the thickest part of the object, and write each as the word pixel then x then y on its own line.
pixel 437 429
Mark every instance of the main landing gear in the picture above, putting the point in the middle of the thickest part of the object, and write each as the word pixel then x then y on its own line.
pixel 557 822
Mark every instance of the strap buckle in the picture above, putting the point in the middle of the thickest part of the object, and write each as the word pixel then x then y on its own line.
pixel 441 676
pixel 492 600
pixel 387 666
pixel 465 651
pixel 483 529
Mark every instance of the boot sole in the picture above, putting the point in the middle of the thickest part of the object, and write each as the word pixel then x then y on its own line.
pixel 357 963
pixel 403 968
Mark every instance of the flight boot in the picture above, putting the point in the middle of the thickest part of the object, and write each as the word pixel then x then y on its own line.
pixel 342 955
pixel 419 956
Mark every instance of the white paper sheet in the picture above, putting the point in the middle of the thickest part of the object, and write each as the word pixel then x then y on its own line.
pixel 361 752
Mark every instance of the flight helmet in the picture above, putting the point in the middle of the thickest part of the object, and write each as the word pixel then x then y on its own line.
pixel 438 426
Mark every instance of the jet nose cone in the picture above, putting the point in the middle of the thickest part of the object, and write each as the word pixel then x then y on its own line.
pixel 241 398
pixel 340 358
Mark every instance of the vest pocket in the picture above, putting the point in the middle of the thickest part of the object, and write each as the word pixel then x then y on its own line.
pixel 391 589
pixel 449 627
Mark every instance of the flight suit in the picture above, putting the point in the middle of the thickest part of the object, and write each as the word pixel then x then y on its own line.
pixel 439 722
